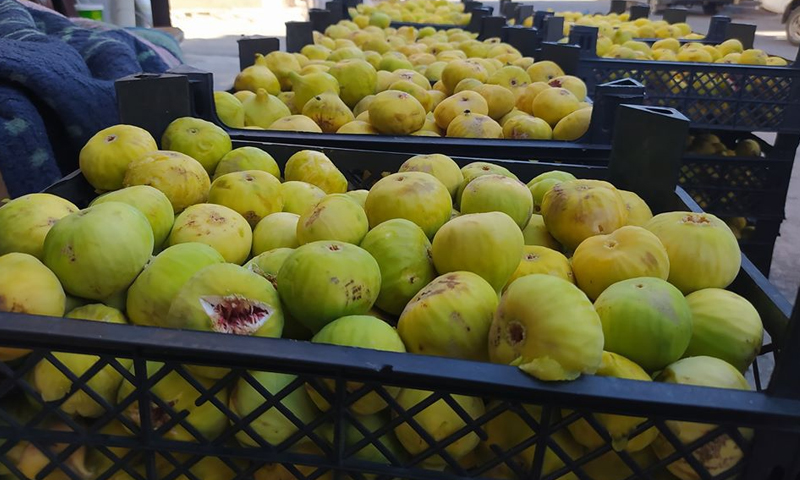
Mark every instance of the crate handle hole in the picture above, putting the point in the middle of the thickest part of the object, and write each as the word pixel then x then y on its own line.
pixel 663 111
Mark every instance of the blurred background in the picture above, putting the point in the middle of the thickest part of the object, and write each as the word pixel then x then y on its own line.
pixel 210 27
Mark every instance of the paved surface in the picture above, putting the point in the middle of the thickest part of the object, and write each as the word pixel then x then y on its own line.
pixel 210 44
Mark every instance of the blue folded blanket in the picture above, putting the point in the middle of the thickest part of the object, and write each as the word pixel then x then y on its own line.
pixel 57 90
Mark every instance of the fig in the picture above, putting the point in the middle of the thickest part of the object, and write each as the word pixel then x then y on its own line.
pixel 272 425
pixel 638 211
pixel 154 289
pixel 628 252
pixel 27 286
pixel 328 111
pixel 176 396
pixel 455 105
pixel 180 177
pixel 52 384
pixel 252 193
pixel 300 196
pixel 541 184
pixel 488 244
pixel 280 64
pixel 537 259
pixel 343 279
pixel 217 226
pixel 357 127
pixel 277 230
pixel 438 165
pixel 575 210
pixel 106 156
pixel 226 298
pixel 511 428
pixel 403 253
pixel 498 193
pixel 719 455
pixel 229 109
pixel 571 83
pixel 415 196
pixel 527 95
pixel 317 169
pixel 528 329
pixel 27 219
pixel 155 206
pixel 94 261
pixel 440 421
pixel 450 317
pixel 200 139
pixel 411 88
pixel 702 250
pixel 525 127
pixel 263 109
pixel 458 70
pixel 646 320
pixel 335 217
pixel 500 100
pixel 257 76
pixel 31 460
pixel 618 427
pixel 295 123
pixel 725 326
pixel 535 233
pixel 247 158
pixel 361 331
pixel 305 87
pixel 573 126
pixel 475 170
pixel 359 196
pixel 268 264
pixel 357 80
pixel 393 112
pixel 544 71
pixel 553 104
pixel 474 125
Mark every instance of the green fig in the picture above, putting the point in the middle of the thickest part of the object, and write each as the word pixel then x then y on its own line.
pixel 229 109
pixel 307 86
pixel 281 63
pixel 52 384
pixel 247 158
pixel 176 396
pixel 257 76
pixel 153 290
pixel 272 425
pixel 264 109
pixel 357 79
pixel 328 111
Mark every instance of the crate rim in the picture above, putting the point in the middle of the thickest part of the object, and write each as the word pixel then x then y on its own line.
pixel 680 402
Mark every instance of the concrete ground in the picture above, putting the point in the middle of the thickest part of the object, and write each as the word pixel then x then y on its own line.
pixel 211 29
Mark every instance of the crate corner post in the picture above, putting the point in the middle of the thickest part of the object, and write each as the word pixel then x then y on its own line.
pixel 300 34
pixel 252 45
pixel 775 453
pixel 646 150
pixel 152 101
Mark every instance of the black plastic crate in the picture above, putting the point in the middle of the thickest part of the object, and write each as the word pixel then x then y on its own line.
pixel 540 411
pixel 713 96
pixel 169 101
pixel 758 240
pixel 750 191
pixel 725 186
